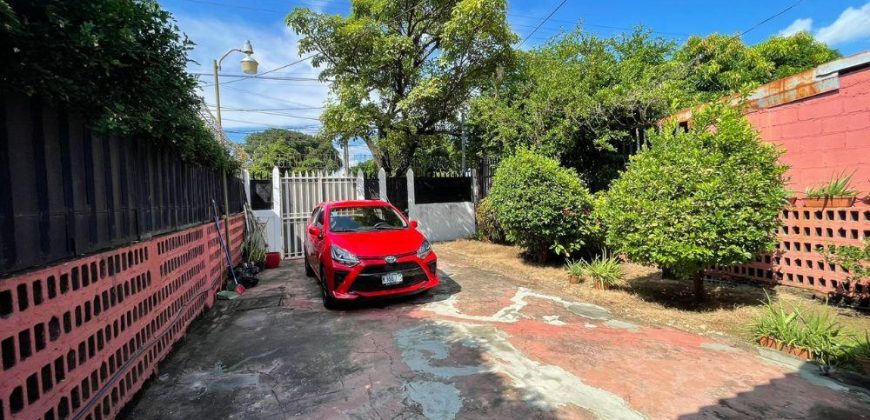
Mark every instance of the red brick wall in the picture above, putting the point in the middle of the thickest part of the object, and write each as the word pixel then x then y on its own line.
pixel 824 135
pixel 80 338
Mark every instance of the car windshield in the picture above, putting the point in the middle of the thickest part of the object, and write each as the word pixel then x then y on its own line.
pixel 364 218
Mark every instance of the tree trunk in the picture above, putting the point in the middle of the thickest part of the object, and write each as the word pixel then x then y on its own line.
pixel 700 293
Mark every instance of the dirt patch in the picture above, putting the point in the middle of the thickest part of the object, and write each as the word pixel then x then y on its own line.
pixel 646 296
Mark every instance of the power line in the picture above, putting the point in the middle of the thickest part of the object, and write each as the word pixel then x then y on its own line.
pixel 290 78
pixel 772 17
pixel 542 22
pixel 231 108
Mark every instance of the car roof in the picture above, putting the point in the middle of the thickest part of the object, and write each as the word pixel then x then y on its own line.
pixel 355 203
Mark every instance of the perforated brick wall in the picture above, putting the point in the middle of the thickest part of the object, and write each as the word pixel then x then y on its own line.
pixel 796 261
pixel 80 338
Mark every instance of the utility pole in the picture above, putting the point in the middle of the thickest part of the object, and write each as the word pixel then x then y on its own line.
pixel 464 139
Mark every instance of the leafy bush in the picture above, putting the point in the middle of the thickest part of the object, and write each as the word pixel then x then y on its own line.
pixel 488 228
pixel 120 63
pixel 852 258
pixel 696 199
pixel 604 270
pixel 838 187
pixel 541 206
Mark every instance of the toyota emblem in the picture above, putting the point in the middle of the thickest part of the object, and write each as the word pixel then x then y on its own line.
pixel 390 259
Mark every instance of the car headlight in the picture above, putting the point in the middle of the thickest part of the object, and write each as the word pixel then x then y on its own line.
pixel 424 250
pixel 343 256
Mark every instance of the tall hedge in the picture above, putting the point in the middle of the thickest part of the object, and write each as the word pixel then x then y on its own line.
pixel 696 199
pixel 540 205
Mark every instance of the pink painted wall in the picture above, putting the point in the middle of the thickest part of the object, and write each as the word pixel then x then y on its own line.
pixel 79 338
pixel 823 135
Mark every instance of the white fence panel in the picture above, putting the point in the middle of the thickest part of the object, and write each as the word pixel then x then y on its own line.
pixel 300 193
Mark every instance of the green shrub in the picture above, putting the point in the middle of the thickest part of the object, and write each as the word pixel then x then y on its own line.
pixel 488 228
pixel 852 258
pixel 541 206
pixel 604 270
pixel 697 199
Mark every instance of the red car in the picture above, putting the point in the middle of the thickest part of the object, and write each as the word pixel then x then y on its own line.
pixel 367 249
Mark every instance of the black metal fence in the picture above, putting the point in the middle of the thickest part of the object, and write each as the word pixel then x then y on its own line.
pixel 66 192
pixel 485 173
pixel 442 189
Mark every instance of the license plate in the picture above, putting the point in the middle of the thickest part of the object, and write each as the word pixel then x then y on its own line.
pixel 391 279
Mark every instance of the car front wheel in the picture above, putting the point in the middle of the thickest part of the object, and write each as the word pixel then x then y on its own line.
pixel 329 301
pixel 308 271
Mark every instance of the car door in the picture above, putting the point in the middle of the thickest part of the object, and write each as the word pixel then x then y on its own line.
pixel 309 244
pixel 315 241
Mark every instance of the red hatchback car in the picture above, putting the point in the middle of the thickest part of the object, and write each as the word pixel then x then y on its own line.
pixel 367 249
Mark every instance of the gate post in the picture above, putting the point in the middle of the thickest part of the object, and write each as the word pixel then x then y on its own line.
pixel 382 184
pixel 409 176
pixel 360 186
pixel 277 196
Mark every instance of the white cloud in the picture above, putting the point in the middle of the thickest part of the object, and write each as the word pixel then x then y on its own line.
pixel 799 25
pixel 853 24
pixel 274 45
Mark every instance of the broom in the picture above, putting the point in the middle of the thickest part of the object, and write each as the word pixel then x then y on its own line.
pixel 239 289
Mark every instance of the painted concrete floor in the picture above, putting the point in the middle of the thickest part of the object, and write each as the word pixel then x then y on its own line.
pixel 476 347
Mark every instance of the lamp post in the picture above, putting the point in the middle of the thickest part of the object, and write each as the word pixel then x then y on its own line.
pixel 249 66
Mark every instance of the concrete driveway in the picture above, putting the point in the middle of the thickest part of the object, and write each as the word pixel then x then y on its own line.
pixel 478 346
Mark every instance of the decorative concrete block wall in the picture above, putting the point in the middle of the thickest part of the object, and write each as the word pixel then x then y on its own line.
pixel 797 262
pixel 78 339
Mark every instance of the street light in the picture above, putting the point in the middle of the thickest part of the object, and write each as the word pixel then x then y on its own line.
pixel 249 66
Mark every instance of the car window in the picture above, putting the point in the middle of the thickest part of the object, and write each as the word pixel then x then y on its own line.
pixel 313 215
pixel 364 218
pixel 318 219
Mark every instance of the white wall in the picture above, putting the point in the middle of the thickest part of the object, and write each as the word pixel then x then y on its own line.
pixel 444 221
pixel 272 229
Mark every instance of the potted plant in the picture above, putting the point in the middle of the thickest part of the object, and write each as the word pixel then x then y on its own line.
pixel 836 193
pixel 254 249
pixel 604 271
pixel 575 271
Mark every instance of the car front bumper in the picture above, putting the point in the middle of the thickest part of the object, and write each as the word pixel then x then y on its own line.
pixel 364 279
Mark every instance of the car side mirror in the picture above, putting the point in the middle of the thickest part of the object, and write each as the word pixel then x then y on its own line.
pixel 413 224
pixel 315 231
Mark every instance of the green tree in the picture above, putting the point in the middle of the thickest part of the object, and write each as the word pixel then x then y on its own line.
pixel 722 64
pixel 289 151
pixel 400 70
pixel 540 205
pixel 708 197
pixel 582 99
pixel 794 54
pixel 120 63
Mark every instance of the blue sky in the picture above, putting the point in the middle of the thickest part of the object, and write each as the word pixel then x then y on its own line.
pixel 251 105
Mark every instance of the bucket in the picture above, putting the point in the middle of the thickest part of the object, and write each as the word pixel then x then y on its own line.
pixel 273 259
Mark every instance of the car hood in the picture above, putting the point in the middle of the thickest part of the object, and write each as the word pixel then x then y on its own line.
pixel 379 244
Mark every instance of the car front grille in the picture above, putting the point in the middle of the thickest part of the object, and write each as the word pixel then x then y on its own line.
pixel 369 279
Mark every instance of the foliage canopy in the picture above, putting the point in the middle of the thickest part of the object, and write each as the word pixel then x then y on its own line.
pixel 401 70
pixel 289 151
pixel 120 63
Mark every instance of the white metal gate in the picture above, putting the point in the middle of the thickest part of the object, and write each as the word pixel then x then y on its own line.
pixel 300 193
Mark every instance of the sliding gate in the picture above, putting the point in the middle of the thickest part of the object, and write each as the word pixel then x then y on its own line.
pixel 300 193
